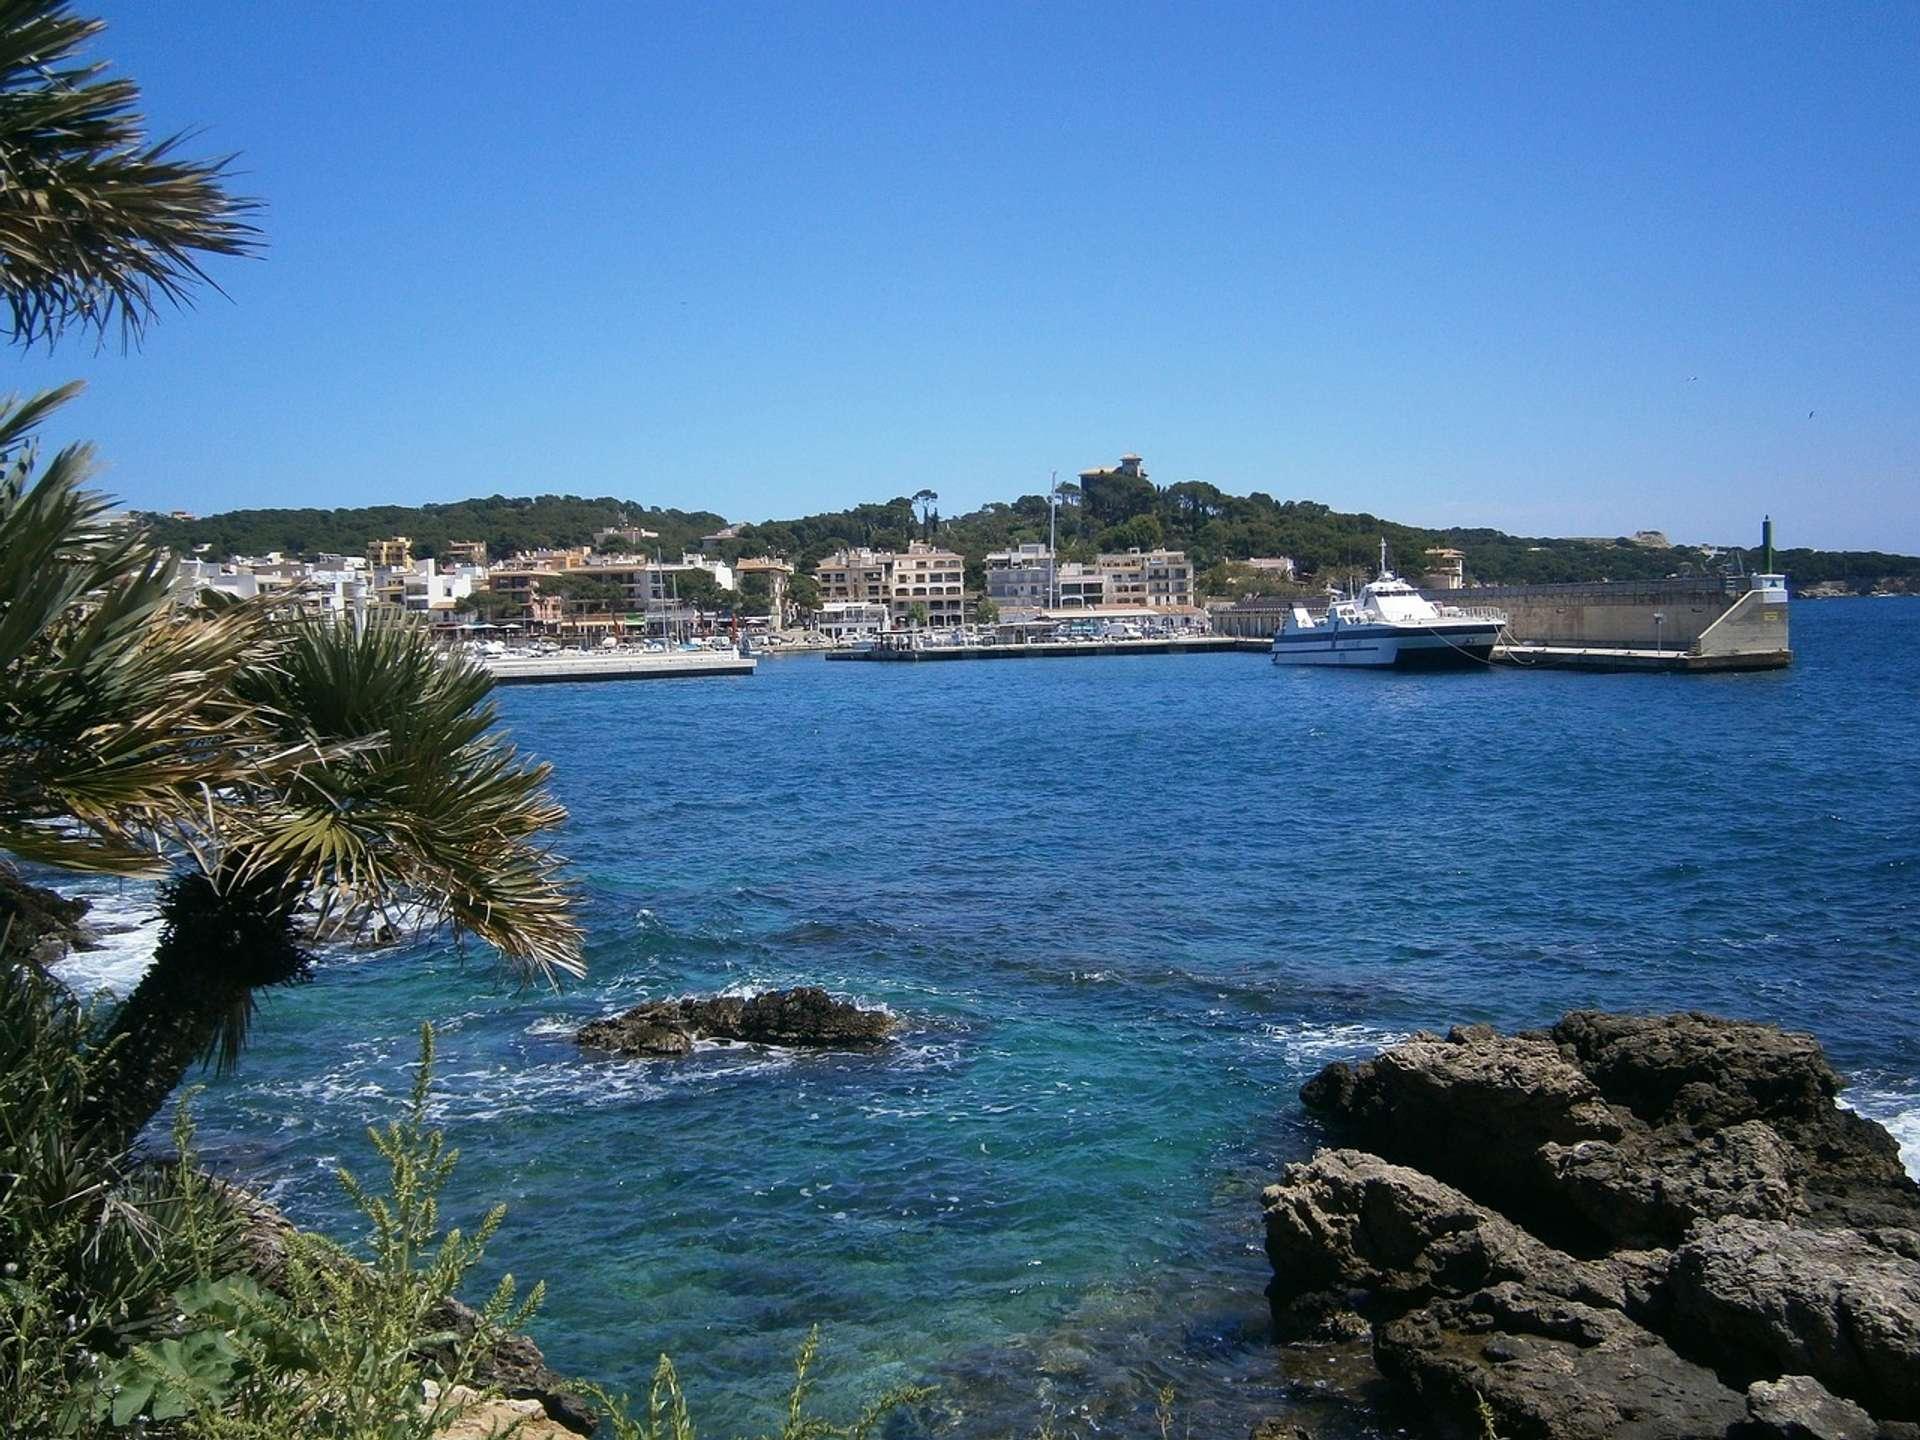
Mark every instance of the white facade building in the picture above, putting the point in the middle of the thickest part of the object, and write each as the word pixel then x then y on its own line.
pixel 852 619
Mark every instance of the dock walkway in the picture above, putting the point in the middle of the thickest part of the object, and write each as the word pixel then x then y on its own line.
pixel 1621 659
pixel 590 665
pixel 1047 649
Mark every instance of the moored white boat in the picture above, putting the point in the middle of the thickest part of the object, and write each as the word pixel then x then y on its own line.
pixel 1388 624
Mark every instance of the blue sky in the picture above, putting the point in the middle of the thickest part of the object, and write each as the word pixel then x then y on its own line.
pixel 1451 264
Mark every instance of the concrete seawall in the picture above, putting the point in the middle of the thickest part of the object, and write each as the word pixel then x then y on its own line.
pixel 1701 617
pixel 569 667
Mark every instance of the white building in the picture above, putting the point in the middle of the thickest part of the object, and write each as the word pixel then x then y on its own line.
pixel 428 589
pixel 852 619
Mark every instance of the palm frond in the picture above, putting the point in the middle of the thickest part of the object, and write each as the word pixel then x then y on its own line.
pixel 97 223
pixel 117 710
pixel 422 806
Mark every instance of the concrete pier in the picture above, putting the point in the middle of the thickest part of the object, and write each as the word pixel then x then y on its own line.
pixel 1685 624
pixel 1619 660
pixel 569 666
pixel 1045 649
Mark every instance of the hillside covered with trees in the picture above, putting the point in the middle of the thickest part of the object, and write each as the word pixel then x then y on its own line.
pixel 506 523
pixel 1113 512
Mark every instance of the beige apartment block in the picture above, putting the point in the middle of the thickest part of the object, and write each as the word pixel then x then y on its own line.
pixel 1157 579
pixel 392 554
pixel 922 574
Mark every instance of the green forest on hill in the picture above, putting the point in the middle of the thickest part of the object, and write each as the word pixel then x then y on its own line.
pixel 1112 512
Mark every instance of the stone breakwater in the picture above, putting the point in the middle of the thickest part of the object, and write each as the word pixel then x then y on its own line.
pixel 805 1017
pixel 1654 1227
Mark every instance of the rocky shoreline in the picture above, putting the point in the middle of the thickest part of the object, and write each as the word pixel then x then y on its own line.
pixel 1652 1227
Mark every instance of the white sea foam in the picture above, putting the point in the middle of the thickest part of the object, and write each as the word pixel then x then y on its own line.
pixel 1310 1046
pixel 127 930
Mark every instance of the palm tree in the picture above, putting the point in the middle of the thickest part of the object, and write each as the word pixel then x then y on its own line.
pixel 295 778
pixel 97 223
pixel 418 815
pixel 116 707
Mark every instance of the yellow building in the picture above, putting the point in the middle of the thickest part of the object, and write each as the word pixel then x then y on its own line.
pixel 923 575
pixel 393 554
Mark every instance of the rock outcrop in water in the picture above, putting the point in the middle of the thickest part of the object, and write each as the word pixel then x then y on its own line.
pixel 41 924
pixel 1621 1226
pixel 807 1017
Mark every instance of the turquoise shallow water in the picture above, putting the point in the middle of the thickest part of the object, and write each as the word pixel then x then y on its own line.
pixel 1124 907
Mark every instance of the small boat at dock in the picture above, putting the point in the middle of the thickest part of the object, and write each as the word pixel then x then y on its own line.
pixel 1388 624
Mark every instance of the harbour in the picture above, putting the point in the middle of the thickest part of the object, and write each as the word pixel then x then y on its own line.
pixel 1140 1034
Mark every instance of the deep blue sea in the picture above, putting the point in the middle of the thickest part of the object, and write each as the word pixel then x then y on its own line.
pixel 1124 907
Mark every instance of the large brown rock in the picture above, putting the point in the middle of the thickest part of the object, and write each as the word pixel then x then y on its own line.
pixel 1624 1225
pixel 39 923
pixel 1474 1109
pixel 806 1016
pixel 1651 1188
pixel 1697 1069
pixel 1513 1362
pixel 1610 1130
pixel 1758 1299
pixel 1347 1221
pixel 1799 1407
pixel 1691 1076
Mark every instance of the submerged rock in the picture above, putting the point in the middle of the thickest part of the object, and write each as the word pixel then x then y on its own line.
pixel 1643 1226
pixel 807 1016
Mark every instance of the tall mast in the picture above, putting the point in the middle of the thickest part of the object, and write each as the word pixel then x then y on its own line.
pixel 1053 556
pixel 1383 555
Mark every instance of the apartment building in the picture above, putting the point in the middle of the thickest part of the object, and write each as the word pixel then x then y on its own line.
pixel 852 619
pixel 609 594
pixel 1021 576
pixel 922 574
pixel 1157 579
pixel 391 554
pixel 1138 579
pixel 471 553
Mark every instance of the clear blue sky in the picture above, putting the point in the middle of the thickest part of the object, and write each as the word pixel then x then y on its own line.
pixel 1448 263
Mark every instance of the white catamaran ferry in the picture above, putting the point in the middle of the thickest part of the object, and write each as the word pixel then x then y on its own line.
pixel 1391 623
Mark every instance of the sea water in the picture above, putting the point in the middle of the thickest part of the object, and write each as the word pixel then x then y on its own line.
pixel 1122 907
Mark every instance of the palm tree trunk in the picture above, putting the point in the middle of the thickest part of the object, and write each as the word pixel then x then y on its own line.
pixel 218 946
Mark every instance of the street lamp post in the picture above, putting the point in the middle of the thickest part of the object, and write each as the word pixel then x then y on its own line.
pixel 1659 635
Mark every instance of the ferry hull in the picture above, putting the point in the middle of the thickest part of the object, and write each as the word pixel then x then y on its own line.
pixel 1444 648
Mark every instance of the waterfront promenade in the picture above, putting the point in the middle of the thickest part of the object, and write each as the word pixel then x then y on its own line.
pixel 568 666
